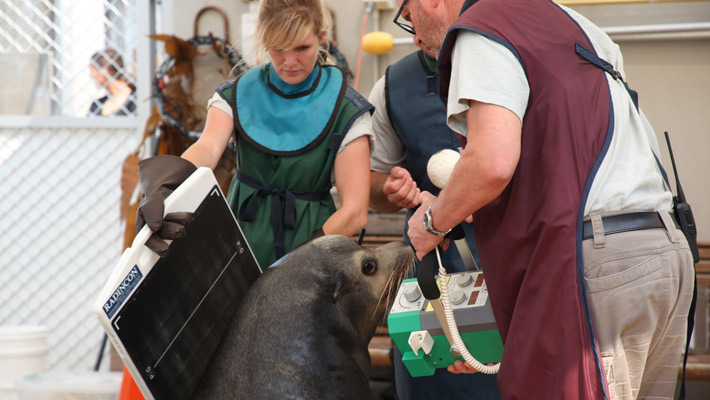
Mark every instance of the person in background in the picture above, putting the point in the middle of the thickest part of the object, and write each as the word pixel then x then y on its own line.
pixel 107 70
pixel 297 125
pixel 589 277
pixel 409 124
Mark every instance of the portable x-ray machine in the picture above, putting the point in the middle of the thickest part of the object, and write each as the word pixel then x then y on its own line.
pixel 432 325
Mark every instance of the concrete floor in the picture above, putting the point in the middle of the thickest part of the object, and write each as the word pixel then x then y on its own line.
pixel 383 389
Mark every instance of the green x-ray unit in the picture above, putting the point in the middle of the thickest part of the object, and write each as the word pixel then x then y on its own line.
pixel 420 331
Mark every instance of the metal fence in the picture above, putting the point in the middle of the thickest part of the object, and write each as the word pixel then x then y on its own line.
pixel 47 47
pixel 60 234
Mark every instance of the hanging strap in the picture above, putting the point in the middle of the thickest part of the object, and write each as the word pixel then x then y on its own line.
pixel 281 217
pixel 691 311
pixel 689 332
pixel 601 63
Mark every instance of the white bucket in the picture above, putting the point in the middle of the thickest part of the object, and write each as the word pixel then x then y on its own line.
pixel 23 350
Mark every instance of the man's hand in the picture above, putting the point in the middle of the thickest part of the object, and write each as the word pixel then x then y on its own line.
pixel 460 367
pixel 423 241
pixel 400 189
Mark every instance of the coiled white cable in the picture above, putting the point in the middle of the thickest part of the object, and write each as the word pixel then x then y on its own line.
pixel 448 311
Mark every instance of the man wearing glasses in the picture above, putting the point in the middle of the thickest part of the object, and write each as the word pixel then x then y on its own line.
pixel 409 124
pixel 589 277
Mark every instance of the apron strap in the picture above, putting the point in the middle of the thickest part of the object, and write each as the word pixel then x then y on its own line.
pixel 281 217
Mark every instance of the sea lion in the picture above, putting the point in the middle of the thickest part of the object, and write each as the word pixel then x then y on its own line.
pixel 302 331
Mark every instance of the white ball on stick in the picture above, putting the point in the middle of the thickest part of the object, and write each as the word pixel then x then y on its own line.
pixel 440 166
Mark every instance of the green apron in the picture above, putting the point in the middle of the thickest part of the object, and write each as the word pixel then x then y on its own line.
pixel 287 140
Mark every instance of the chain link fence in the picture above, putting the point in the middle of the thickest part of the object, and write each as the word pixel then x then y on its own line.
pixel 48 45
pixel 61 232
pixel 59 171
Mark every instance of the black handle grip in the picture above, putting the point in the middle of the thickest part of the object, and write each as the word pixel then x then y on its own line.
pixel 426 276
pixel 457 232
pixel 429 267
pixel 684 215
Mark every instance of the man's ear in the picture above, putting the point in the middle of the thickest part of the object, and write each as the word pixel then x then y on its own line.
pixel 431 3
pixel 442 7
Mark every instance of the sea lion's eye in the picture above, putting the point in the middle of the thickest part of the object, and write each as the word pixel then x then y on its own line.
pixel 369 267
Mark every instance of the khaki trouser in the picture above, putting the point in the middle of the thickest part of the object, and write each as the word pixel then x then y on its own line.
pixel 640 285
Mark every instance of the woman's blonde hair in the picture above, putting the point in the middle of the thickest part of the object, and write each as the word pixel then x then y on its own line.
pixel 285 24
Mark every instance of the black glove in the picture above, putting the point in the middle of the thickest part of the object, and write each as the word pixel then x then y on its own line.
pixel 159 176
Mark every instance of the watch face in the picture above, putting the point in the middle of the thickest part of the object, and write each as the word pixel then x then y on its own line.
pixel 428 224
pixel 427 220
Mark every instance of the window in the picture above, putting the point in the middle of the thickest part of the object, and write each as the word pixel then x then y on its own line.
pixel 46 47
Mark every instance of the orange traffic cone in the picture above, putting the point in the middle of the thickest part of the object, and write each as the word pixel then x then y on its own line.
pixel 129 389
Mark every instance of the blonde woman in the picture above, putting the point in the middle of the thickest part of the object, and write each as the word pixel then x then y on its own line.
pixel 297 125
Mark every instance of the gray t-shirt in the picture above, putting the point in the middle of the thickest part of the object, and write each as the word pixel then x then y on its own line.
pixel 390 151
pixel 486 71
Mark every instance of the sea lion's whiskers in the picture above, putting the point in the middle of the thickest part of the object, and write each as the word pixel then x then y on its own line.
pixel 391 286
pixel 393 282
pixel 386 289
pixel 379 300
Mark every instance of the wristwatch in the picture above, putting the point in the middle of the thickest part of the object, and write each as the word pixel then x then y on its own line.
pixel 429 222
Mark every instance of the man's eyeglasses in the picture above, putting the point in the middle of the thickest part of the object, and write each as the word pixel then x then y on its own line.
pixel 406 27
